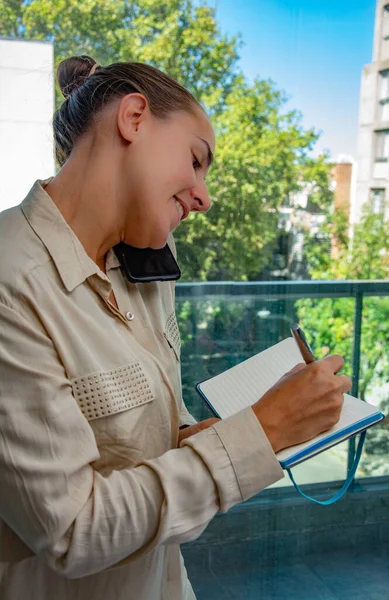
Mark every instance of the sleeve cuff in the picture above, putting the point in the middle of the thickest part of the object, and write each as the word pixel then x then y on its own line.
pixel 185 416
pixel 239 457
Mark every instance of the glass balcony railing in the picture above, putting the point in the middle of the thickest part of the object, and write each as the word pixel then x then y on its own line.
pixel 278 544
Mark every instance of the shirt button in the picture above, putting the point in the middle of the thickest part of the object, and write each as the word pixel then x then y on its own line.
pixel 130 316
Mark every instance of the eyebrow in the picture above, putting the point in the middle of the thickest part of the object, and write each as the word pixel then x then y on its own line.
pixel 209 152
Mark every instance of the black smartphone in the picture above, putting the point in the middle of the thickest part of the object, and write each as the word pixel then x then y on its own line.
pixel 141 265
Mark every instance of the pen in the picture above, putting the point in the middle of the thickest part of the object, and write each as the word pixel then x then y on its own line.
pixel 302 343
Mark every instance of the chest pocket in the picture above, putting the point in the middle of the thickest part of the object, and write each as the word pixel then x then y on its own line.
pixel 106 393
pixel 172 335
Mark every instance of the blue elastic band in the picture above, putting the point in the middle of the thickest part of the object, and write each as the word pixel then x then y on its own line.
pixel 346 484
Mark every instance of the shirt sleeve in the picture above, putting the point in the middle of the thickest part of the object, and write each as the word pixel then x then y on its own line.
pixel 186 419
pixel 65 511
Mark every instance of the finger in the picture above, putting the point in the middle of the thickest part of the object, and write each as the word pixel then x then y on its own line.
pixel 334 362
pixel 345 383
pixel 295 369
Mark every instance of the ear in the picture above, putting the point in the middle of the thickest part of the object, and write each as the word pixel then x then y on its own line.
pixel 133 109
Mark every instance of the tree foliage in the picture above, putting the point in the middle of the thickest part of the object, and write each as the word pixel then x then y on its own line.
pixel 261 152
pixel 178 37
pixel 363 256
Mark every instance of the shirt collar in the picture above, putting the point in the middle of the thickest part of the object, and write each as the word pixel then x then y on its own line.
pixel 68 254
pixel 111 261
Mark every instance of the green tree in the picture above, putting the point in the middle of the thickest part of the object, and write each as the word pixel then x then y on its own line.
pixel 364 256
pixel 262 153
pixel 181 39
pixel 11 16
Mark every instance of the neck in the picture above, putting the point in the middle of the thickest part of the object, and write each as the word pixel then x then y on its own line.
pixel 89 202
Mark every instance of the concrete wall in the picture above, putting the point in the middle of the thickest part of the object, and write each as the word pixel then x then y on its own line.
pixel 26 110
pixel 279 527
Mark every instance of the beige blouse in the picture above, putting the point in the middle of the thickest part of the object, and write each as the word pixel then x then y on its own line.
pixel 95 496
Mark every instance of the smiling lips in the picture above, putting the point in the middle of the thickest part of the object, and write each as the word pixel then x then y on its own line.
pixel 181 208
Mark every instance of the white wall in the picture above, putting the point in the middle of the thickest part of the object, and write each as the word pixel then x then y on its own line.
pixel 26 111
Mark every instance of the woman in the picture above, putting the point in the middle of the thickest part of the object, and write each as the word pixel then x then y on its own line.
pixel 103 473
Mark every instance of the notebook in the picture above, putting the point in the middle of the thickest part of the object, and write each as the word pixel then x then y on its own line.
pixel 242 386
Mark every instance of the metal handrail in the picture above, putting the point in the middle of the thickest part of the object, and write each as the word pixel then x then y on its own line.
pixel 297 289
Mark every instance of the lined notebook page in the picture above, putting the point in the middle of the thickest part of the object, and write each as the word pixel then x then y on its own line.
pixel 244 384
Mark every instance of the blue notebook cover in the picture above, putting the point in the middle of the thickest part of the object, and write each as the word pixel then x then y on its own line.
pixel 243 385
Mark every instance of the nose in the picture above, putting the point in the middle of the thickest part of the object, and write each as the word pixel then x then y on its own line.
pixel 200 197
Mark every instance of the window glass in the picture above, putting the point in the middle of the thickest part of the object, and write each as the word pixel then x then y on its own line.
pixel 377 198
pixel 384 85
pixel 385 25
pixel 382 145
pixel 384 96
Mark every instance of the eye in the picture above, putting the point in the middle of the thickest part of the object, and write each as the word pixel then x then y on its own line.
pixel 196 163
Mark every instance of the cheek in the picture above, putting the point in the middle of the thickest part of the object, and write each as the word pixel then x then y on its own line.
pixel 176 171
pixel 184 176
pixel 155 183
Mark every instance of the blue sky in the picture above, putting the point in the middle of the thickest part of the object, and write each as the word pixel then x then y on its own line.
pixel 313 49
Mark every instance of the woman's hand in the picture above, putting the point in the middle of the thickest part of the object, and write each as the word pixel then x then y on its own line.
pixel 305 402
pixel 192 429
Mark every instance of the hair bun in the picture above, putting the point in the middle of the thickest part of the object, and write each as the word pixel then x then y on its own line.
pixel 73 72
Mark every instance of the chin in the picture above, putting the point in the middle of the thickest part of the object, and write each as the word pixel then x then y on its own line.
pixel 153 244
pixel 156 241
pixel 159 239
pixel 157 245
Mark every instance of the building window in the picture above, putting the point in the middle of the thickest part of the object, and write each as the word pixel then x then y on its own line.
pixel 383 94
pixel 384 85
pixel 381 145
pixel 385 23
pixel 377 199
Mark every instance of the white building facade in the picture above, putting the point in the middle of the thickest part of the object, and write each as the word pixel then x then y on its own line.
pixel 372 165
pixel 26 111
